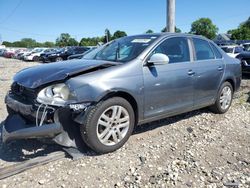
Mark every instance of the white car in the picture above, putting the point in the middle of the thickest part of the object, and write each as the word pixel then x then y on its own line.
pixel 233 51
pixel 34 55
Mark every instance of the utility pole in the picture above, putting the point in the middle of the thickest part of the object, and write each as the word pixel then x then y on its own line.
pixel 170 16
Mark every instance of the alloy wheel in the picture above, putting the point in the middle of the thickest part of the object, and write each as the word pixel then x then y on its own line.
pixel 113 125
pixel 225 97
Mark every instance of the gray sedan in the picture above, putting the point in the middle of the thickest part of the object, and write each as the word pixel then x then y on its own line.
pixel 127 82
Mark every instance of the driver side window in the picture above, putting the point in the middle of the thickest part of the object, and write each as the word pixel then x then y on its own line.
pixel 175 48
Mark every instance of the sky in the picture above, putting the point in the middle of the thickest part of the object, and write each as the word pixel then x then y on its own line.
pixel 44 20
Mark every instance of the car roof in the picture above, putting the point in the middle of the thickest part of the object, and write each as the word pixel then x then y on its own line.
pixel 230 46
pixel 168 34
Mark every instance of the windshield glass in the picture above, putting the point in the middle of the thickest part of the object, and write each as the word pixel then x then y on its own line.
pixel 227 49
pixel 122 50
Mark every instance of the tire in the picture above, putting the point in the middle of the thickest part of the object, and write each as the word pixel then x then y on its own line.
pixel 218 107
pixel 36 58
pixel 58 59
pixel 101 139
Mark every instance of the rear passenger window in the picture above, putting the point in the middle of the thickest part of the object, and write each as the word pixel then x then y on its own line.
pixel 175 48
pixel 216 51
pixel 202 49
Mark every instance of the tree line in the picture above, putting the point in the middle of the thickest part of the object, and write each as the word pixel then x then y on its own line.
pixel 202 26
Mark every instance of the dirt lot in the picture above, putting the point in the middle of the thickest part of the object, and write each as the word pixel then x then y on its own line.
pixel 197 149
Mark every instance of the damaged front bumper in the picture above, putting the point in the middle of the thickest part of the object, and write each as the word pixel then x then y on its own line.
pixel 59 124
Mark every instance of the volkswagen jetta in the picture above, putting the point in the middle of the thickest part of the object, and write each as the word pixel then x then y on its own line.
pixel 127 82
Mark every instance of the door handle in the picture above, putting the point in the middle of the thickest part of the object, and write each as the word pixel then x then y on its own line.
pixel 190 72
pixel 220 68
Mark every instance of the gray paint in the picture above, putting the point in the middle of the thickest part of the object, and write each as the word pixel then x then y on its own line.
pixel 159 90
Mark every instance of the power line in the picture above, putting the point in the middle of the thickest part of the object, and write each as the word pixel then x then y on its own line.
pixel 12 12
pixel 27 33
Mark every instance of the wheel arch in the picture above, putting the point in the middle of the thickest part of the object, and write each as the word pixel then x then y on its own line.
pixel 231 81
pixel 132 101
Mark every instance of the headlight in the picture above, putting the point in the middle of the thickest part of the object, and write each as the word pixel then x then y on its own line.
pixel 57 95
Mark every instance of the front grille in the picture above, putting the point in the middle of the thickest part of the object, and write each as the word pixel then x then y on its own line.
pixel 23 93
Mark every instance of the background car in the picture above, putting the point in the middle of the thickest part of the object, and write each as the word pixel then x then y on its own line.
pixel 2 50
pixel 244 57
pixel 9 53
pixel 44 55
pixel 79 56
pixel 34 55
pixel 233 51
pixel 64 53
pixel 19 52
pixel 246 46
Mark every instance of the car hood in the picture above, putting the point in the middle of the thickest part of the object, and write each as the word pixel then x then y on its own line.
pixel 37 76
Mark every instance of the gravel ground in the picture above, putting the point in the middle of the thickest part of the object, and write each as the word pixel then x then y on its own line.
pixel 196 149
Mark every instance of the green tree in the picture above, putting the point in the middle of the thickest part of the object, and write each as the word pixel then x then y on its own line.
pixel 48 44
pixel 66 40
pixel 90 41
pixel 177 30
pixel 27 42
pixel 119 34
pixel 205 27
pixel 150 31
pixel 7 44
pixel 242 32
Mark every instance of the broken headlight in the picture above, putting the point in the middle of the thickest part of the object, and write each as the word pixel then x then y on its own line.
pixel 57 95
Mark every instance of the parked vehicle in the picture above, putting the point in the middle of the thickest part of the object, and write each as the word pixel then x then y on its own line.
pixel 130 81
pixel 2 51
pixel 44 56
pixel 34 55
pixel 23 54
pixel 80 56
pixel 244 57
pixel 19 52
pixel 64 53
pixel 246 46
pixel 232 51
pixel 9 53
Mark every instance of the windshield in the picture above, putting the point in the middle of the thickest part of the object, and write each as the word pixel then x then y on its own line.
pixel 122 50
pixel 227 49
pixel 37 50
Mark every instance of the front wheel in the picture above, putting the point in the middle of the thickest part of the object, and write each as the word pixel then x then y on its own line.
pixel 224 99
pixel 36 58
pixel 108 125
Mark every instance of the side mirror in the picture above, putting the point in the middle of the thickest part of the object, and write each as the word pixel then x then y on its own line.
pixel 158 59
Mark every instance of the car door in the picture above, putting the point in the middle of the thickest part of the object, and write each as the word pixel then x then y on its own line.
pixel 208 72
pixel 168 88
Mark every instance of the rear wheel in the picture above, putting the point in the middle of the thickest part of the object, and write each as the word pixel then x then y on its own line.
pixel 59 59
pixel 224 99
pixel 108 125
